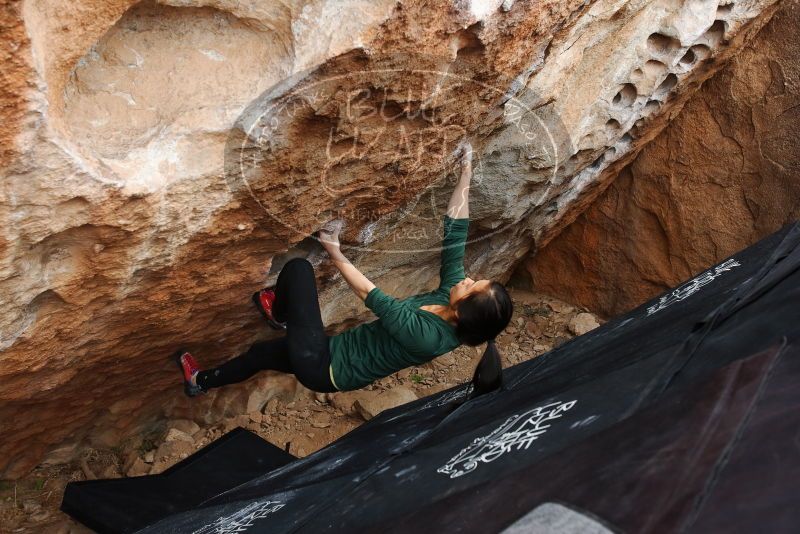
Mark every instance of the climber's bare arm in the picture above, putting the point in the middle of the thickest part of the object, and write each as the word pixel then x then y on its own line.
pixel 458 208
pixel 359 283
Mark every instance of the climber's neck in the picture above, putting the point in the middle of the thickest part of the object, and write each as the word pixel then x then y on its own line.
pixel 445 312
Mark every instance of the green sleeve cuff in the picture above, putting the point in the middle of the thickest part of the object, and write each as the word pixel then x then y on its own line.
pixel 455 231
pixel 460 223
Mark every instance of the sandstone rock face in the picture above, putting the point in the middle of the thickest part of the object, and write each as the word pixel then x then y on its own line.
pixel 725 173
pixel 161 159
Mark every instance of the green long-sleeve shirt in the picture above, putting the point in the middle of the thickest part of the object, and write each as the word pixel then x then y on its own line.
pixel 404 335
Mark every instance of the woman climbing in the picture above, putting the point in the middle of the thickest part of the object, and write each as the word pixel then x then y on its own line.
pixel 408 332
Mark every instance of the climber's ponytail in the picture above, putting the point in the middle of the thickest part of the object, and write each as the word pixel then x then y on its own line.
pixel 481 317
pixel 489 372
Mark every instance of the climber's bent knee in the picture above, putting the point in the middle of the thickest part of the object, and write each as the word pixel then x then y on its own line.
pixel 298 264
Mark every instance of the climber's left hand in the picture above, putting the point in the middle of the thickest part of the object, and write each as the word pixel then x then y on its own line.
pixel 329 240
pixel 329 234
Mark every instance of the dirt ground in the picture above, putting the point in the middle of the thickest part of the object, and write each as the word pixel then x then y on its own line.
pixel 301 426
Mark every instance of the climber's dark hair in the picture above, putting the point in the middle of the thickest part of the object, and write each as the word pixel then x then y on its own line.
pixel 481 317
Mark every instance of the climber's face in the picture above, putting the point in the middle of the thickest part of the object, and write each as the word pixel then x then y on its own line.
pixel 467 287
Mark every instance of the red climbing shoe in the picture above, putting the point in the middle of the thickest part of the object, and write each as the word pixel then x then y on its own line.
pixel 189 368
pixel 263 300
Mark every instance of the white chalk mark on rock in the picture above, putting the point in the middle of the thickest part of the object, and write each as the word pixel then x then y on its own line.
pixel 213 55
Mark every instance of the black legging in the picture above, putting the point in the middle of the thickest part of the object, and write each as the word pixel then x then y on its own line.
pixel 303 351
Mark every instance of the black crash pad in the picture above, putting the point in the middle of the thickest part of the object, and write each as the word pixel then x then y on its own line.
pixel 125 505
pixel 690 384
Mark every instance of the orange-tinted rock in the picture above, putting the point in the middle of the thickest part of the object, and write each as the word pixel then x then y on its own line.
pixel 722 175
pixel 141 203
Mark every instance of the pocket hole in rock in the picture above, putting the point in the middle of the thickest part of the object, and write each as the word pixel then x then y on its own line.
pixel 588 141
pixel 662 45
pixel 115 103
pixel 636 129
pixel 666 86
pixel 700 51
pixel 725 10
pixel 714 33
pixel 654 68
pixel 467 43
pixel 579 158
pixel 688 58
pixel 651 106
pixel 613 128
pixel 626 96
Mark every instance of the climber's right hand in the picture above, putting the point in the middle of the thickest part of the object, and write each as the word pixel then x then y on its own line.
pixel 465 154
